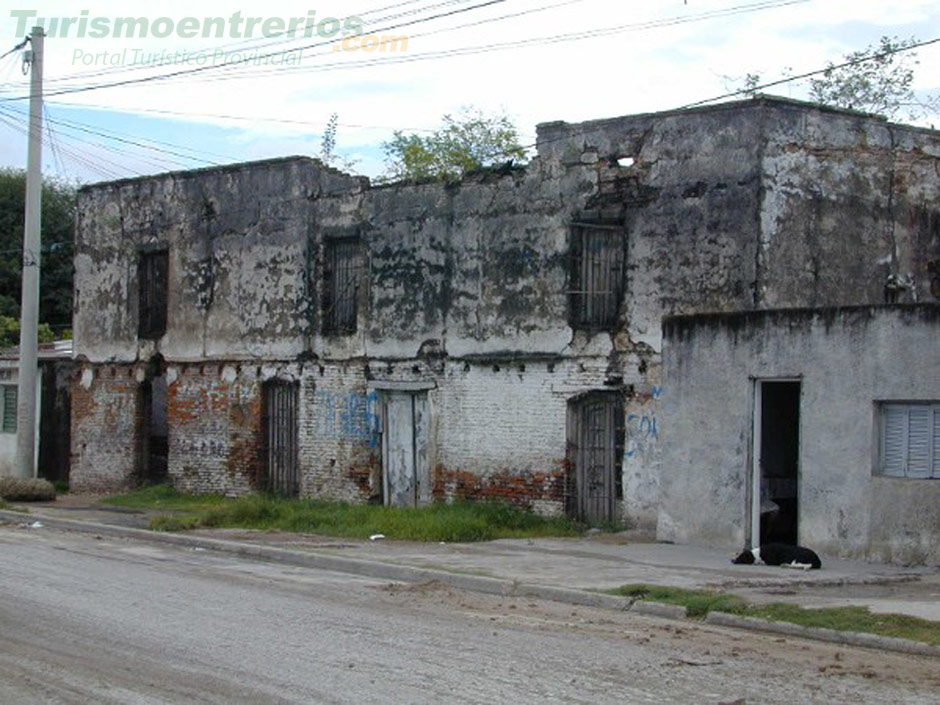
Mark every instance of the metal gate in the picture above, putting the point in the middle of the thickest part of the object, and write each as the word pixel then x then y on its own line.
pixel 595 450
pixel 280 423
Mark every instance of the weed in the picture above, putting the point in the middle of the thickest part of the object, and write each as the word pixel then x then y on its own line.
pixel 853 619
pixel 454 522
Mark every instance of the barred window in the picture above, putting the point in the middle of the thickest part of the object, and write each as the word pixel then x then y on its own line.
pixel 9 400
pixel 152 271
pixel 596 275
pixel 910 439
pixel 342 262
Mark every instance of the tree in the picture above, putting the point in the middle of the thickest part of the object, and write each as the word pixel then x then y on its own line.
pixel 472 140
pixel 58 216
pixel 877 79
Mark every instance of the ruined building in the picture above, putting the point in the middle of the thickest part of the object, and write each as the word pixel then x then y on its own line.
pixel 282 325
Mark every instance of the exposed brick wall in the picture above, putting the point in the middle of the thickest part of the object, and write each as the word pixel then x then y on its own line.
pixel 340 452
pixel 497 427
pixel 106 418
pixel 215 417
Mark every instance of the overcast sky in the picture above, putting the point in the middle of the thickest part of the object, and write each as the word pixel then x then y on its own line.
pixel 545 60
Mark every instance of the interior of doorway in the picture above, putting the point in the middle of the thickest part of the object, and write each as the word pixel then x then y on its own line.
pixel 776 470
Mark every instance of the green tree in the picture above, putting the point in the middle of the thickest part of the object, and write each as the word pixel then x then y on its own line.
pixel 58 218
pixel 878 79
pixel 471 140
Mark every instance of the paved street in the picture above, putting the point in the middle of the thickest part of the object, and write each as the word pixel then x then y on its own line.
pixel 115 621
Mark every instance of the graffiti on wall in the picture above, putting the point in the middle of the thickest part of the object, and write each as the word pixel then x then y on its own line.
pixel 353 416
pixel 642 426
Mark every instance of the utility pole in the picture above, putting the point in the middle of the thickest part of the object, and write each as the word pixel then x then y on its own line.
pixel 29 305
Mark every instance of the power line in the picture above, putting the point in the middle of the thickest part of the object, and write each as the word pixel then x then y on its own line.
pixel 289 34
pixel 808 74
pixel 211 67
pixel 518 44
pixel 15 49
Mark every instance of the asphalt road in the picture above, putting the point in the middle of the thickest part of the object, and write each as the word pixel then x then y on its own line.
pixel 110 621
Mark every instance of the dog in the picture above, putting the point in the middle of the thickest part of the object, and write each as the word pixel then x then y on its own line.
pixel 781 554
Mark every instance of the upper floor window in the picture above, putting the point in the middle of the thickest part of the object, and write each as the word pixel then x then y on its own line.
pixel 8 401
pixel 596 275
pixel 152 270
pixel 342 262
pixel 910 439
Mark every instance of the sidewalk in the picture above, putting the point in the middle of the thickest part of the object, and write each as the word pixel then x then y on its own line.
pixel 591 563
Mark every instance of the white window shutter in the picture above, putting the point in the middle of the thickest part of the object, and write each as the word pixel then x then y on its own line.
pixel 918 441
pixel 936 442
pixel 894 450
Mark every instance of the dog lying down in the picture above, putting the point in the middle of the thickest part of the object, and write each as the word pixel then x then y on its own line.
pixel 781 554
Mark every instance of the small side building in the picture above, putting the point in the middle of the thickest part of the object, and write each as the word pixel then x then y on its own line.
pixel 53 411
pixel 816 426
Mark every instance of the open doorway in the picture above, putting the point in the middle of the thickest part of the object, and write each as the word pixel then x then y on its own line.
pixel 155 426
pixel 776 469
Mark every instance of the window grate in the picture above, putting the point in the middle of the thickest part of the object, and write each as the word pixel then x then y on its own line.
pixel 596 275
pixel 152 271
pixel 9 408
pixel 342 262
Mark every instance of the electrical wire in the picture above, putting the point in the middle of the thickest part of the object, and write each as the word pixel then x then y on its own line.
pixel 247 44
pixel 211 67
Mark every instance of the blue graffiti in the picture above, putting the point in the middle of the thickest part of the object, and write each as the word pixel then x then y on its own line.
pixel 353 416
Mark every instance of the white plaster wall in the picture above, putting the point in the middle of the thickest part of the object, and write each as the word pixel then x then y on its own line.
pixel 847 359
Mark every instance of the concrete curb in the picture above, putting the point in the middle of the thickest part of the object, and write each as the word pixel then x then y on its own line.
pixel 475 583
pixel 873 641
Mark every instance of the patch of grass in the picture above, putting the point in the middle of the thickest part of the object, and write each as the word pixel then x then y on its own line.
pixel 61 486
pixel 852 619
pixel 164 497
pixel 697 602
pixel 457 522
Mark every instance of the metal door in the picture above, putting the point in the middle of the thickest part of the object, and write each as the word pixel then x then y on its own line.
pixel 405 466
pixel 280 424
pixel 595 441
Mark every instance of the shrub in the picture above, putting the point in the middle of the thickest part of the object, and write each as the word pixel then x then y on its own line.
pixel 23 489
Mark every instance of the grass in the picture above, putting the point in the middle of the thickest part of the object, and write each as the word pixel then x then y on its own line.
pixel 851 619
pixel 698 603
pixel 456 522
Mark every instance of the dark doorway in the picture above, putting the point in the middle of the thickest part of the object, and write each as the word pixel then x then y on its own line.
pixel 779 461
pixel 156 431
pixel 281 430
pixel 595 452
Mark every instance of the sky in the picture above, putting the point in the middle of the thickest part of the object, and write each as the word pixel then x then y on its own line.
pixel 534 60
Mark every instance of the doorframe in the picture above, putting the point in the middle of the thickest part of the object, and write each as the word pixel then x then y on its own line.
pixel 754 479
pixel 383 389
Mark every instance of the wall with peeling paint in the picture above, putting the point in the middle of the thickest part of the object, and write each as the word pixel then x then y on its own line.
pixel 737 206
pixel 847 360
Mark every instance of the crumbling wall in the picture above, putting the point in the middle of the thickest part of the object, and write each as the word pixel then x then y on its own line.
pixel 107 418
pixel 214 415
pixel 725 208
pixel 848 204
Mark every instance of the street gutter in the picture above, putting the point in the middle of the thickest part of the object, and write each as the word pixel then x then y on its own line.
pixel 474 583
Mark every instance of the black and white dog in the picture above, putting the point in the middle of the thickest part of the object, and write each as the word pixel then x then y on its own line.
pixel 781 554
